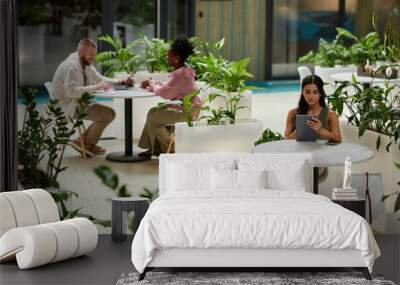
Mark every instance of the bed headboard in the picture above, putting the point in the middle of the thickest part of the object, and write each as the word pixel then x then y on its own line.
pixel 166 160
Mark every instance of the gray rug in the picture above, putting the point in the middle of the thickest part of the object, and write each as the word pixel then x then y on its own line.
pixel 243 278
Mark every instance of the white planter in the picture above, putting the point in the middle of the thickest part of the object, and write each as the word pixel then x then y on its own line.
pixel 239 137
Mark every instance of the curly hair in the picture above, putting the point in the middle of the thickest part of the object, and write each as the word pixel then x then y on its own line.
pixel 182 47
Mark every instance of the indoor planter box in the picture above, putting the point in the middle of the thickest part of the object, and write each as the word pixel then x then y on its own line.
pixel 238 137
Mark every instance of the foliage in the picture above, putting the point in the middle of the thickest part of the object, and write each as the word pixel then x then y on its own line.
pixel 204 57
pixel 155 54
pixel 268 136
pixel 151 195
pixel 233 76
pixel 43 140
pixel 32 13
pixel 390 50
pixel 45 137
pixel 373 108
pixel 187 106
pixel 137 13
pixel 229 78
pixel 119 59
pixel 226 115
pixel 394 194
pixel 111 180
pixel 349 49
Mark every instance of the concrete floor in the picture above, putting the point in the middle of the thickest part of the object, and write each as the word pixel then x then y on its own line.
pixel 103 266
pixel 110 259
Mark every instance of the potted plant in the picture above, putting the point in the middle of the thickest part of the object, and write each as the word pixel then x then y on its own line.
pixel 218 129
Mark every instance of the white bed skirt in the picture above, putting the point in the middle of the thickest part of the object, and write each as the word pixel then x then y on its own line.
pixel 189 257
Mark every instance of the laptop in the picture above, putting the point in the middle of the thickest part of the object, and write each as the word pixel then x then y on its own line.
pixel 303 132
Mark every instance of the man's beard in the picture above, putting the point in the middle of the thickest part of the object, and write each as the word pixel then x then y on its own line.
pixel 84 61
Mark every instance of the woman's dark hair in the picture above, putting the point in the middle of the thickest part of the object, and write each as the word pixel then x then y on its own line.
pixel 311 79
pixel 182 47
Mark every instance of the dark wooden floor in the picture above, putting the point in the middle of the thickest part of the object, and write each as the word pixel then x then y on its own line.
pixel 110 260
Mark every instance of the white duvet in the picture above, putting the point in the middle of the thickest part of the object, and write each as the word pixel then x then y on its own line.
pixel 250 219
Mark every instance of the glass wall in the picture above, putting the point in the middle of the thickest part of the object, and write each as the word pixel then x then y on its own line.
pixel 297 27
pixel 299 24
pixel 48 31
pixel 133 18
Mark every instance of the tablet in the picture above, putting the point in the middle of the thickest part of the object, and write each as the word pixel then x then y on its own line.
pixel 303 132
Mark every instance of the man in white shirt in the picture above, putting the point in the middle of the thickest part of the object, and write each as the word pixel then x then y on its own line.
pixel 75 76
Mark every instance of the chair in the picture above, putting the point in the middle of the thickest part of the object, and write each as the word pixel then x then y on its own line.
pixel 31 231
pixel 303 72
pixel 50 90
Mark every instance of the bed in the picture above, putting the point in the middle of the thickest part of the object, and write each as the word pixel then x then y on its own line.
pixel 247 210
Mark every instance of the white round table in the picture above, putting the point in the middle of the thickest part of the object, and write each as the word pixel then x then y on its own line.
pixel 365 80
pixel 323 155
pixel 128 94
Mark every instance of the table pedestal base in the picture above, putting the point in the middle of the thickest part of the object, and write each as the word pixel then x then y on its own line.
pixel 120 156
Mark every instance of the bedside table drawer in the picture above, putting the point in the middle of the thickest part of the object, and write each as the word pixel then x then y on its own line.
pixel 357 206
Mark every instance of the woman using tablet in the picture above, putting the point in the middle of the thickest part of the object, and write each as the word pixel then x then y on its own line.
pixel 312 102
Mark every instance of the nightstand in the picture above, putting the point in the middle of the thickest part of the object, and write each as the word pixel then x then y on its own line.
pixel 357 206
pixel 126 204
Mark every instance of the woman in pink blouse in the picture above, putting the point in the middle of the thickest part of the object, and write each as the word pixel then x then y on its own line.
pixel 181 82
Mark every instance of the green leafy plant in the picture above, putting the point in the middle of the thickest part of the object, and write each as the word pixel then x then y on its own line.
pixel 394 194
pixel 187 106
pixel 229 79
pixel 346 48
pixel 41 147
pixel 137 13
pixel 373 108
pixel 155 54
pixel 46 137
pixel 32 13
pixel 149 194
pixel 119 59
pixel 206 55
pixel 390 50
pixel 111 180
pixel 267 136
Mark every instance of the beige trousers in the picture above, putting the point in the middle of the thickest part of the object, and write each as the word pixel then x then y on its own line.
pixel 101 116
pixel 155 135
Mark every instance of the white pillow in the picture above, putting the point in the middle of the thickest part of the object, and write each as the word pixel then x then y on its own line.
pixel 193 175
pixel 223 179
pixel 282 174
pixel 251 178
pixel 183 177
